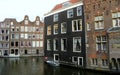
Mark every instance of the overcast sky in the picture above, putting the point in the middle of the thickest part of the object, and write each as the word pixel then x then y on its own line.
pixel 19 8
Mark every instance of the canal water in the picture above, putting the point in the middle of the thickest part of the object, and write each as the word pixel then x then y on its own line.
pixel 36 66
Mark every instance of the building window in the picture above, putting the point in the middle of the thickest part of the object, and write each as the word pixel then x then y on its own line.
pixel 77 25
pixel 79 11
pixel 55 44
pixel 41 43
pixel 49 30
pixel 101 43
pixel 63 27
pixel 74 59
pixel 116 19
pixel 70 13
pixel 99 22
pixel 26 22
pixel 104 62
pixel 11 23
pixel 55 18
pixel 77 44
pixel 12 44
pixel 37 22
pixel 88 27
pixel 22 29
pixel 13 36
pixel 12 51
pixel 63 44
pixel 48 44
pixel 94 61
pixel 56 29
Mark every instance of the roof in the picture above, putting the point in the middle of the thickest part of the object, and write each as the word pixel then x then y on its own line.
pixel 58 6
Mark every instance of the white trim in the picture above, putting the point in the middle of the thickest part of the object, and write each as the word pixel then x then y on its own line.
pixel 79 61
pixel 55 58
pixel 63 9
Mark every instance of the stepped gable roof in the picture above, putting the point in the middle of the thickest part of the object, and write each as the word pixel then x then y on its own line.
pixel 58 6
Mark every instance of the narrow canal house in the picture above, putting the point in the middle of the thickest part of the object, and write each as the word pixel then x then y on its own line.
pixel 23 38
pixel 31 37
pixel 102 18
pixel 5 37
pixel 65 33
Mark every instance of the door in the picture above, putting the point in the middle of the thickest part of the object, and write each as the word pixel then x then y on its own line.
pixel 80 61
pixel 56 57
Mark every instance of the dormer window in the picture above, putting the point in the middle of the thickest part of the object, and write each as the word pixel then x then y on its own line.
pixel 11 23
pixel 55 18
pixel 70 13
pixel 37 22
pixel 66 4
pixel 26 22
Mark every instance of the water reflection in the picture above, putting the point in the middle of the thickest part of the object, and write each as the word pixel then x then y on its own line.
pixel 21 66
pixel 36 66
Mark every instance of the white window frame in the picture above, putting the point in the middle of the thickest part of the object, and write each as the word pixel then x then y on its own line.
pixel 101 42
pixel 49 30
pixel 74 46
pixel 55 41
pixel 62 44
pixel 63 29
pixel 48 44
pixel 116 19
pixel 79 61
pixel 55 17
pixel 55 28
pixel 78 25
pixel 70 13
pixel 79 11
pixel 88 27
pixel 99 22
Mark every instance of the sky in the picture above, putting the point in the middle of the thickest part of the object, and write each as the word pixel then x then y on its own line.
pixel 19 8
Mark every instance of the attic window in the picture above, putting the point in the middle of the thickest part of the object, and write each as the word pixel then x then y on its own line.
pixel 66 4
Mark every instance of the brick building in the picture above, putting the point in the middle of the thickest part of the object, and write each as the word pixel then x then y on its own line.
pixel 23 38
pixel 102 18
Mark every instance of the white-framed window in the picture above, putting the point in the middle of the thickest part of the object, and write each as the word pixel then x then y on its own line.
pixel 22 29
pixel 55 17
pixel 48 44
pixel 41 43
pixel 49 30
pixel 37 22
pixel 116 19
pixel 104 62
pixel 41 36
pixel 11 23
pixel 56 29
pixel 26 22
pixel 94 61
pixel 77 25
pixel 37 43
pixel 79 10
pixel 80 61
pixel 88 27
pixel 63 27
pixel 33 44
pixel 26 29
pixel 70 13
pixel 26 36
pixel 63 44
pixel 22 35
pixel 74 59
pixel 99 22
pixel 77 44
pixel 101 43
pixel 55 45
